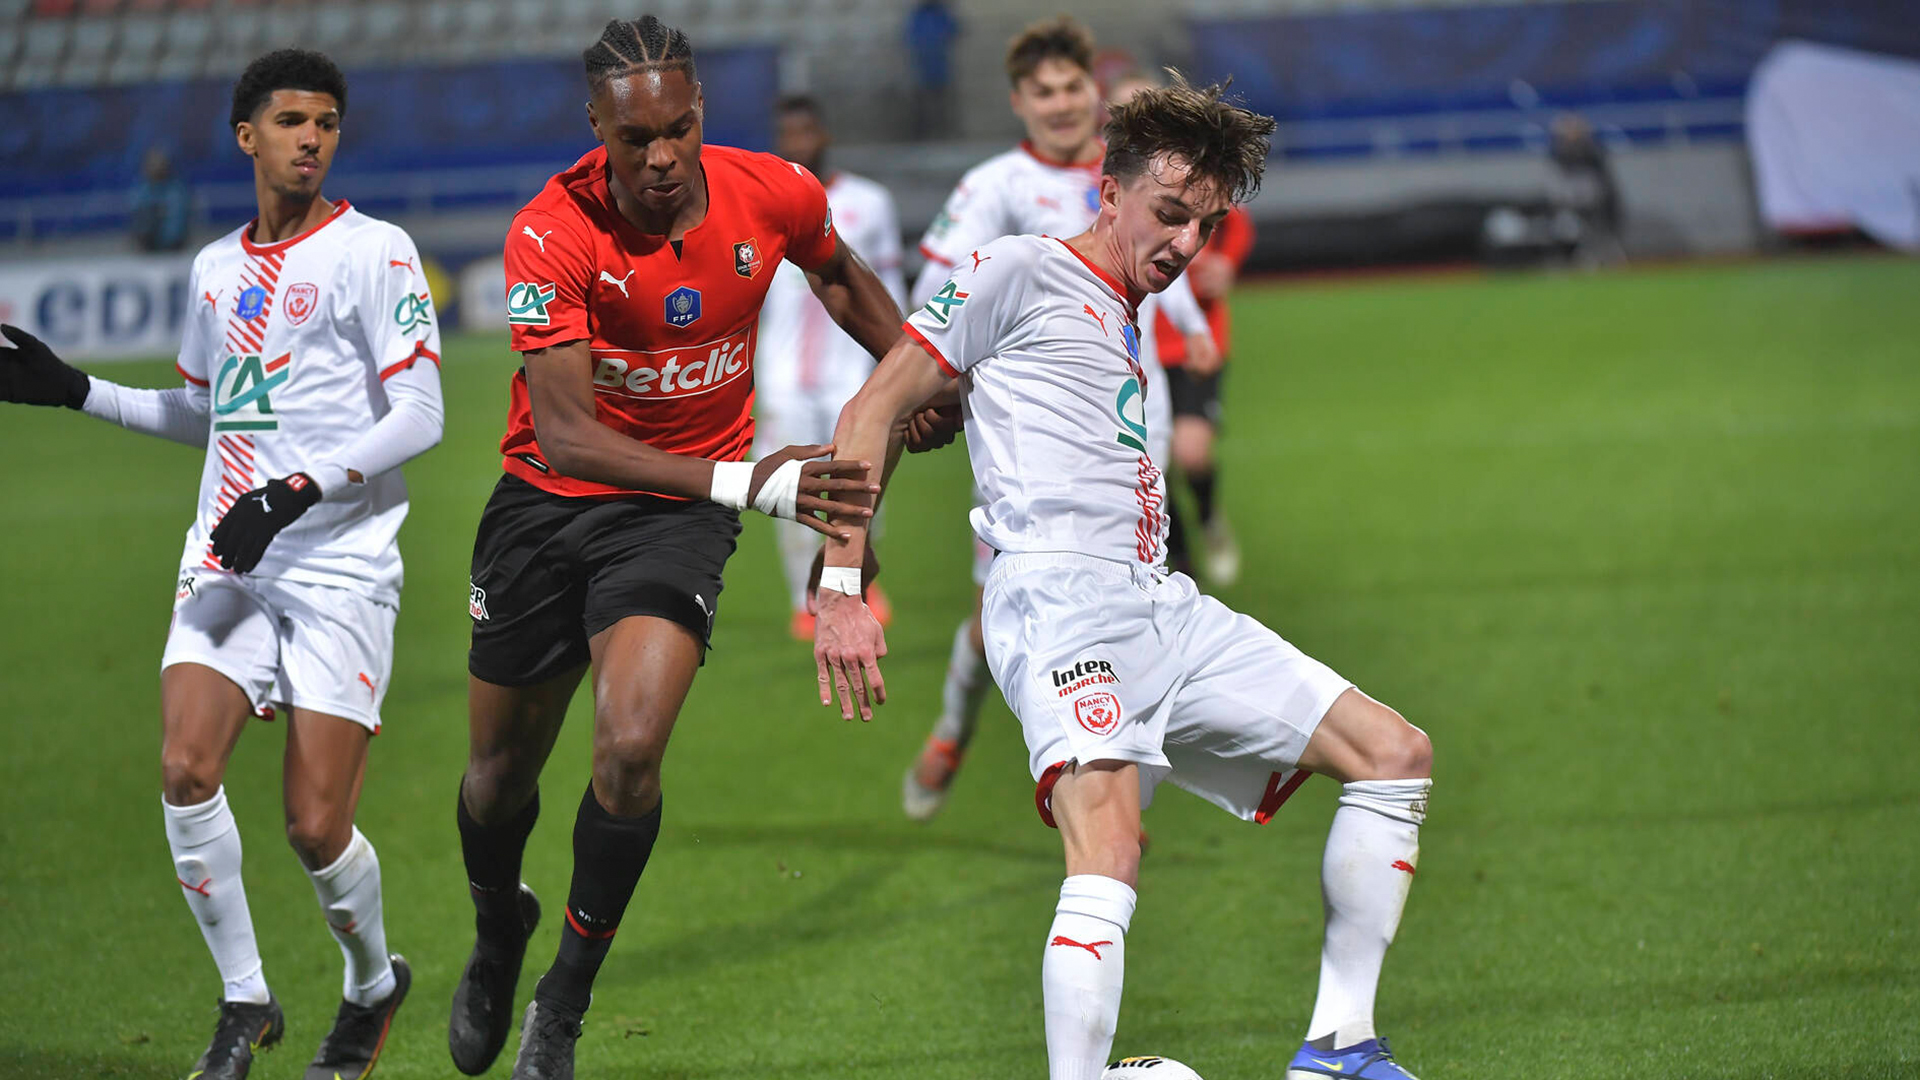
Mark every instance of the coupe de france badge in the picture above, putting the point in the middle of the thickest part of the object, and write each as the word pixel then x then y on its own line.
pixel 252 301
pixel 683 306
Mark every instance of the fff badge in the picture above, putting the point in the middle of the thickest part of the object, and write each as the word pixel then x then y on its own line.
pixel 683 306
pixel 252 301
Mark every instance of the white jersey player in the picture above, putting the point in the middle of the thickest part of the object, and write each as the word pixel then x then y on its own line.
pixel 311 356
pixel 806 367
pixel 1122 675
pixel 1049 185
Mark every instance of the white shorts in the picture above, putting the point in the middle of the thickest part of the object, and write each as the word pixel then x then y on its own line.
pixel 286 643
pixel 1109 661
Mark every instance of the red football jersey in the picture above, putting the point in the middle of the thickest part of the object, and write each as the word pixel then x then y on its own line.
pixel 671 333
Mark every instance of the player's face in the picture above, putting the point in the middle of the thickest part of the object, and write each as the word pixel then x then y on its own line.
pixel 801 138
pixel 291 141
pixel 650 123
pixel 1058 104
pixel 1162 218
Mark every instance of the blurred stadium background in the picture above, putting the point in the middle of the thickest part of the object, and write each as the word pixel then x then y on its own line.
pixel 1412 132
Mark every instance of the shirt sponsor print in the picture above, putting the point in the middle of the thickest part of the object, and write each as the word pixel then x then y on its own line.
pixel 684 371
pixel 941 304
pixel 527 303
pixel 413 311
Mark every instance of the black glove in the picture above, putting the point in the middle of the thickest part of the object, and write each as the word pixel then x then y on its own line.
pixel 257 517
pixel 31 375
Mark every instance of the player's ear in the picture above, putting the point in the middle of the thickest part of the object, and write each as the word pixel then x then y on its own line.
pixel 699 104
pixel 593 121
pixel 243 135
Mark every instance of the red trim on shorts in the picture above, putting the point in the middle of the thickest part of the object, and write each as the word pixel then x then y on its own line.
pixel 932 350
pixel 1043 792
pixel 183 374
pixel 1278 793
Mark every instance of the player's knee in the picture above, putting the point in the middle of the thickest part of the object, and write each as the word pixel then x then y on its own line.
pixel 495 786
pixel 188 778
pixel 626 766
pixel 1401 751
pixel 318 833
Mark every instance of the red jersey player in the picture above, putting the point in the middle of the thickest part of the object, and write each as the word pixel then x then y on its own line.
pixel 635 282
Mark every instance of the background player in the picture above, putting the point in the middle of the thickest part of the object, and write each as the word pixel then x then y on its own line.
pixel 637 277
pixel 806 367
pixel 1049 185
pixel 311 359
pixel 1194 387
pixel 1122 676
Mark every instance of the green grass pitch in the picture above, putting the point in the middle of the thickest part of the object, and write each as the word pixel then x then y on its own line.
pixel 1638 550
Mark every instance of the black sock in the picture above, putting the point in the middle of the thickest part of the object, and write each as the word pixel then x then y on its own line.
pixel 608 855
pixel 492 854
pixel 1202 485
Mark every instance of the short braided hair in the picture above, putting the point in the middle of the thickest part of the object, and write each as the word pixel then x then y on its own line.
pixel 628 46
pixel 1223 145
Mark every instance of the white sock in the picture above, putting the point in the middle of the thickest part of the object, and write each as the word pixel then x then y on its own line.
pixel 206 862
pixel 961 695
pixel 1372 851
pixel 349 892
pixel 797 547
pixel 1082 973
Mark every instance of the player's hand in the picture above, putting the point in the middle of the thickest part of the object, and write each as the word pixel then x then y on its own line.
pixel 1203 356
pixel 821 483
pixel 257 517
pixel 932 427
pixel 869 569
pixel 31 374
pixel 847 646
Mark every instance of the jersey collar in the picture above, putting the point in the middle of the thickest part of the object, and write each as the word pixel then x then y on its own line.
pixel 251 248
pixel 1091 168
pixel 1111 282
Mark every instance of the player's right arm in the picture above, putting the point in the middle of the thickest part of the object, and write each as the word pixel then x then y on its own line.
pixel 32 374
pixel 549 269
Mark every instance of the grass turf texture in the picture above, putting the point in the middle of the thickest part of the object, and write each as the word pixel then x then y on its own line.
pixel 1636 549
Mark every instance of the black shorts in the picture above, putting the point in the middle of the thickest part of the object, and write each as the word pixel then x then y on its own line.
pixel 1195 395
pixel 551 571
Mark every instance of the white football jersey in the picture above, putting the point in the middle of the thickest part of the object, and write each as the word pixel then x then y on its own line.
pixel 1047 347
pixel 293 341
pixel 802 350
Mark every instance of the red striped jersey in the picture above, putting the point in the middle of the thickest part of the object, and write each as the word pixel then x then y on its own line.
pixel 293 341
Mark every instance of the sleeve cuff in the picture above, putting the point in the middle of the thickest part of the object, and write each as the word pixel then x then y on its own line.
pixel 333 481
pixel 933 350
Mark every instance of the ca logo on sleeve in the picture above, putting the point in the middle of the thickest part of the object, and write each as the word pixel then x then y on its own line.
pixel 527 303
pixel 941 304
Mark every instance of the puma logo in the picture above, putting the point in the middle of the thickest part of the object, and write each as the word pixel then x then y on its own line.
pixel 369 682
pixel 618 282
pixel 264 508
pixel 408 263
pixel 1402 864
pixel 977 260
pixel 212 298
pixel 1094 947
pixel 1098 316
pixel 200 888
pixel 538 238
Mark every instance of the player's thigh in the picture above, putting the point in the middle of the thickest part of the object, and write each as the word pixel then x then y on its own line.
pixel 527 585
pixel 1097 808
pixel 218 669
pixel 322 772
pixel 1192 441
pixel 660 558
pixel 510 734
pixel 336 650
pixel 1071 644
pixel 1362 739
pixel 643 668
pixel 1250 705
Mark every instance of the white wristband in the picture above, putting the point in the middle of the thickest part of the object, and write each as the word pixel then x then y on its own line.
pixel 731 480
pixel 841 579
pixel 780 495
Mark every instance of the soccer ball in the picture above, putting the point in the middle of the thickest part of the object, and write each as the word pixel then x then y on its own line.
pixel 1148 1068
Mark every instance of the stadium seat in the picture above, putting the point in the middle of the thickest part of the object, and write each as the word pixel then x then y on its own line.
pixel 46 41
pixel 386 21
pixel 335 27
pixel 286 25
pixel 138 49
pixel 50 9
pixel 87 51
pixel 185 37
pixel 12 11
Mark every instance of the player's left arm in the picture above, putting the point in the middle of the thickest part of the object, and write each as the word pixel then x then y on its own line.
pixel 1182 309
pixel 402 341
pixel 861 303
pixel 848 643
